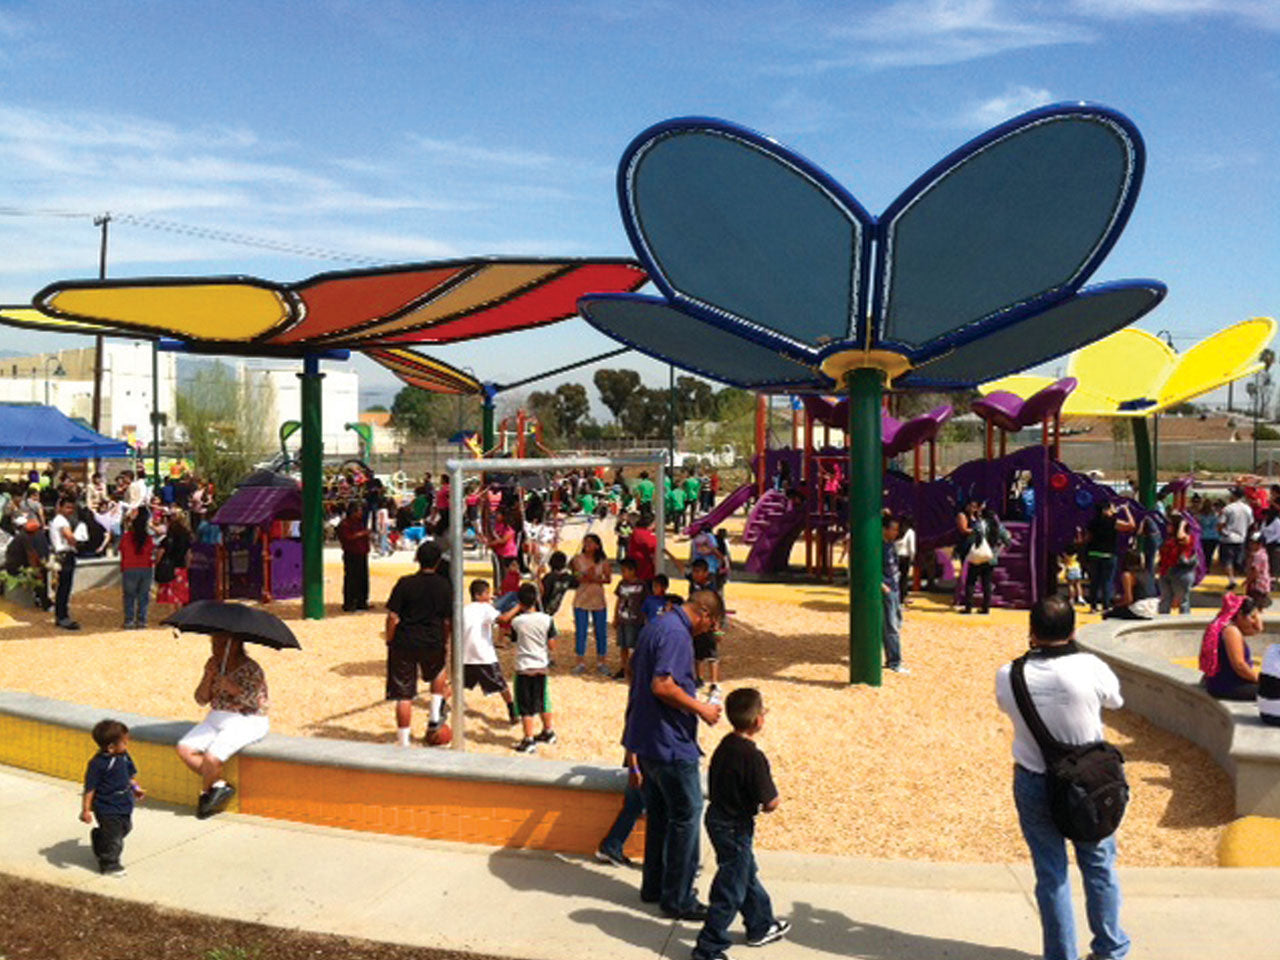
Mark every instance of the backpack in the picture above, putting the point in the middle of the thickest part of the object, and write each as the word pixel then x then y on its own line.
pixel 1088 791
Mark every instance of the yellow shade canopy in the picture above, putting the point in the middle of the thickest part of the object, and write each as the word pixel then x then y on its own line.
pixel 233 309
pixel 31 319
pixel 1132 373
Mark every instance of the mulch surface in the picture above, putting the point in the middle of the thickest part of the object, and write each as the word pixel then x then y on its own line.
pixel 43 921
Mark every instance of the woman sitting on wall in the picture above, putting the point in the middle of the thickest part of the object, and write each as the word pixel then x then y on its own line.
pixel 1225 658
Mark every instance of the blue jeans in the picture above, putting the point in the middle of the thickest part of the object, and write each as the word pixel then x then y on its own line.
pixel 136 585
pixel 1177 583
pixel 1097 863
pixel 1102 571
pixel 735 889
pixel 600 619
pixel 892 603
pixel 673 805
pixel 632 807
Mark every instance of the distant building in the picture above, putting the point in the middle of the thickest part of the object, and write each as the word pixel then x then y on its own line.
pixel 65 380
pixel 340 399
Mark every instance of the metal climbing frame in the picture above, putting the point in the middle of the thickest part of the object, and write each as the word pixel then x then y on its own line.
pixel 459 470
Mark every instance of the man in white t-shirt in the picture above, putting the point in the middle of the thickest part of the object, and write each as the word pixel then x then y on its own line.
pixel 62 544
pixel 1069 689
pixel 480 667
pixel 1237 517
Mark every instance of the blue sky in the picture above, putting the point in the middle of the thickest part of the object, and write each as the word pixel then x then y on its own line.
pixel 393 131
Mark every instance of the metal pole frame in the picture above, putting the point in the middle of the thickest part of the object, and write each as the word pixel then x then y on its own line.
pixel 458 471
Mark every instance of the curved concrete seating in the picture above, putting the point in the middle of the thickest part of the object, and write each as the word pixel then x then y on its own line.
pixel 1170 696
pixel 440 794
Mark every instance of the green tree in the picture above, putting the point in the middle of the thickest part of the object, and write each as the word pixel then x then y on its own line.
pixel 545 406
pixel 376 408
pixel 421 414
pixel 695 399
pixel 730 403
pixel 647 413
pixel 572 407
pixel 615 388
pixel 221 419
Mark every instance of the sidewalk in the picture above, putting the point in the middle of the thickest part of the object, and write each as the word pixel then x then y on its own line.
pixel 543 906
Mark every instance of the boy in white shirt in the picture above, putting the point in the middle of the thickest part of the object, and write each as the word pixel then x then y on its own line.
pixel 480 667
pixel 535 634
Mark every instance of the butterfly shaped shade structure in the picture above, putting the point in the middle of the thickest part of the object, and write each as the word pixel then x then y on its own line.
pixel 381 311
pixel 1133 375
pixel 774 278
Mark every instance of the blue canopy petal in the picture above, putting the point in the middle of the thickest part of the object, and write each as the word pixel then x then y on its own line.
pixel 749 230
pixel 1091 314
pixel 1005 226
pixel 656 328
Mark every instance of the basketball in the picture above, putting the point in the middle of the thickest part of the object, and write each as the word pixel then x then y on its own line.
pixel 441 736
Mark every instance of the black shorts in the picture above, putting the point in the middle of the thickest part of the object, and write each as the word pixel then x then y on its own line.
pixel 405 663
pixel 704 647
pixel 487 676
pixel 533 695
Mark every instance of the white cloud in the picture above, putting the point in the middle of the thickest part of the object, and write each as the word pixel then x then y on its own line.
pixel 1015 100
pixel 934 32
pixel 1265 13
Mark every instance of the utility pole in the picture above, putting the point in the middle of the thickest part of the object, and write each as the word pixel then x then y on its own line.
pixel 104 222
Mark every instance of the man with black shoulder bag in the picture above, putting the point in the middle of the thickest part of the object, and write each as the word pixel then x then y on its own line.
pixel 1068 782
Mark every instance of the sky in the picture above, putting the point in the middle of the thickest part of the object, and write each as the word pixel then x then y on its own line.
pixel 281 139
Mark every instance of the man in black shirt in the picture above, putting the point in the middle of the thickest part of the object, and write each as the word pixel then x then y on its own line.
pixel 419 619
pixel 741 786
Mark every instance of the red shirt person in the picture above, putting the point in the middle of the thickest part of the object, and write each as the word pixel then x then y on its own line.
pixel 353 534
pixel 643 548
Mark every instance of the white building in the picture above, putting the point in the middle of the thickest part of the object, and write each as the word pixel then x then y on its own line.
pixel 340 400
pixel 65 380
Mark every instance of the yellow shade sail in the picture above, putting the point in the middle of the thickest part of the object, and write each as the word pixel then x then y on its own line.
pixel 1135 374
pixel 232 310
pixel 32 319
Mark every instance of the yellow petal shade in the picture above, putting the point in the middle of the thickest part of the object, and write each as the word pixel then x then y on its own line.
pixel 202 311
pixel 1217 360
pixel 1135 365
pixel 29 317
pixel 1130 364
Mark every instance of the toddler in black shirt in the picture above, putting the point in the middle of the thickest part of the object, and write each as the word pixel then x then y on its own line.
pixel 740 786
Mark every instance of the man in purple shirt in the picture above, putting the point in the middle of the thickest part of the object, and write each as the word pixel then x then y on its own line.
pixel 662 732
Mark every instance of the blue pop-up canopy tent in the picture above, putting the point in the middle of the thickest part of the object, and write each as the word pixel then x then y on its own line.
pixel 32 431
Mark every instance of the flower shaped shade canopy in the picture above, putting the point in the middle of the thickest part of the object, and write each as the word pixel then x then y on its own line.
pixel 383 307
pixel 775 278
pixel 1133 373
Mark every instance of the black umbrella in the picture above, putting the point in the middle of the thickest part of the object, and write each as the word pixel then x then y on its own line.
pixel 246 623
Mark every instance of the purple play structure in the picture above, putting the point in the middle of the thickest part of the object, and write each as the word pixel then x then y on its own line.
pixel 1042 525
pixel 256 560
pixel 778 519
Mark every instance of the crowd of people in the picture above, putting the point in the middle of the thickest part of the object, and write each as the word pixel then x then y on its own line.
pixel 50 521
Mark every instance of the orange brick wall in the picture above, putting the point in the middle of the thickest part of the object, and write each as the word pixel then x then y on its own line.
pixel 470 811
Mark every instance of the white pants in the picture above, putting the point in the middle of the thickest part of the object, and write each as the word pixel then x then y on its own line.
pixel 224 732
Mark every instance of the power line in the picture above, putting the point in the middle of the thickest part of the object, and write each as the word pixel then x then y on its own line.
pixel 204 233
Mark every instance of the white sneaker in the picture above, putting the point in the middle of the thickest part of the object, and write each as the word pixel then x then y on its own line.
pixel 900 668
pixel 777 930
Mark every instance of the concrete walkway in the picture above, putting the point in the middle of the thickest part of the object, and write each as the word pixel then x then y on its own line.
pixel 543 906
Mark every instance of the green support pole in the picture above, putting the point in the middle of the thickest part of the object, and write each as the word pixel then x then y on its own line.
pixel 1146 463
pixel 312 492
pixel 866 483
pixel 487 439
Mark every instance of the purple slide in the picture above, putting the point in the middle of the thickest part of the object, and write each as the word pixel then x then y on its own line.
pixel 771 551
pixel 721 512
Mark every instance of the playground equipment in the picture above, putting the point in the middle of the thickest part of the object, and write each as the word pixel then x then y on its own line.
pixel 1134 375
pixel 774 278
pixel 257 559
pixel 378 310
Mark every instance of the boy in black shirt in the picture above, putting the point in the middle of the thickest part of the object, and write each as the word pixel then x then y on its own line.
pixel 740 787
pixel 110 788
pixel 417 631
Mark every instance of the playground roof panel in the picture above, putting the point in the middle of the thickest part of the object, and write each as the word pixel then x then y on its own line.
pixel 437 301
pixel 977 266
pixel 1135 374
pixel 426 373
pixel 657 329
